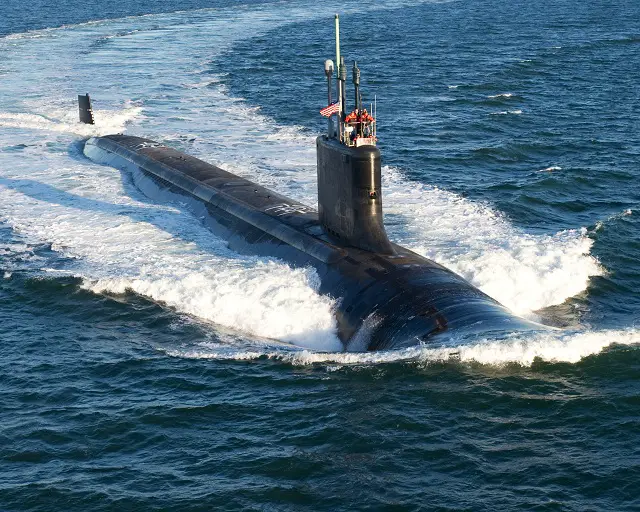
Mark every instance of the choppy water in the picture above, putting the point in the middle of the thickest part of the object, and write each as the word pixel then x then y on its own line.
pixel 145 366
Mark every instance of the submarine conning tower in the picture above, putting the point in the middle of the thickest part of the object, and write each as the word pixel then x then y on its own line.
pixel 349 169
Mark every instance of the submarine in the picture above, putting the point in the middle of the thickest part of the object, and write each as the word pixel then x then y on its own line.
pixel 386 296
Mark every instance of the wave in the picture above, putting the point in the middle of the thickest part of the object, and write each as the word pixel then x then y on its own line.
pixel 524 272
pixel 551 168
pixel 516 349
pixel 118 243
pixel 506 112
pixel 600 225
pixel 66 121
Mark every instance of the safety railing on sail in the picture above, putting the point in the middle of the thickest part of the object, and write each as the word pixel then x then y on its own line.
pixel 360 133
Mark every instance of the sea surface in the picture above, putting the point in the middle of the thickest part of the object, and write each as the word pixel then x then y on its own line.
pixel 144 366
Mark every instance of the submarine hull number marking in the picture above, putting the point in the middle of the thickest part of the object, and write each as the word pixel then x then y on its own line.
pixel 145 145
pixel 287 209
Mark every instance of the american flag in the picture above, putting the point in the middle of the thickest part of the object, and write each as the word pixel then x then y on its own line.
pixel 330 110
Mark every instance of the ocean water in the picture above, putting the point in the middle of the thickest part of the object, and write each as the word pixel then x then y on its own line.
pixel 145 366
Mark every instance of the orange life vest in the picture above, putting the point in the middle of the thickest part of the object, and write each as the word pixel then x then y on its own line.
pixel 351 117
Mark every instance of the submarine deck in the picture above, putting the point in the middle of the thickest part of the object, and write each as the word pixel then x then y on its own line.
pixel 288 220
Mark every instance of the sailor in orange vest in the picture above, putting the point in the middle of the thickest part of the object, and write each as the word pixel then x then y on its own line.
pixel 352 117
pixel 366 118
pixel 353 120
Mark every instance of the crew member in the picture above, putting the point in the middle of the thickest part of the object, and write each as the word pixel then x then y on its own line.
pixel 352 117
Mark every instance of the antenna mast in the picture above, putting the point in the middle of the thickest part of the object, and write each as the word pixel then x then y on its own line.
pixel 340 77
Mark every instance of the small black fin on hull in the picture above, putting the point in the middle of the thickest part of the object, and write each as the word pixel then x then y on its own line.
pixel 86 112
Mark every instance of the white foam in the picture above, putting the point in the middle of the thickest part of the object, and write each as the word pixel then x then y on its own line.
pixel 524 272
pixel 17 256
pixel 158 251
pixel 503 95
pixel 555 347
pixel 107 121
pixel 507 112
pixel 552 347
pixel 551 168
pixel 266 299
pixel 36 34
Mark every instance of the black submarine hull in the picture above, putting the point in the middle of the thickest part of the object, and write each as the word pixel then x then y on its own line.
pixel 391 298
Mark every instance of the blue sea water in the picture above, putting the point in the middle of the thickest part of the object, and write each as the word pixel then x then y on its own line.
pixel 145 366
